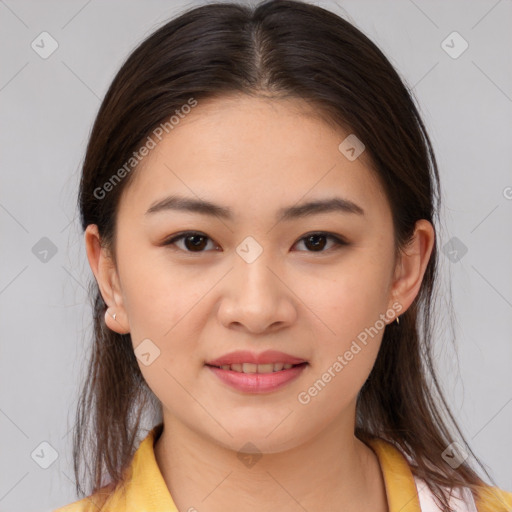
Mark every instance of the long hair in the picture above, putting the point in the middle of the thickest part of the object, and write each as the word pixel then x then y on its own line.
pixel 278 49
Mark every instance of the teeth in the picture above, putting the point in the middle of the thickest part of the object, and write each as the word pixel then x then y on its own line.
pixel 250 368
pixel 256 368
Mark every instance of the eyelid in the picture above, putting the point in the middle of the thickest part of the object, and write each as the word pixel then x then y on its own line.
pixel 339 240
pixel 171 240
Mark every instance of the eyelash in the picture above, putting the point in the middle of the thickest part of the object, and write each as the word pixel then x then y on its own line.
pixel 336 239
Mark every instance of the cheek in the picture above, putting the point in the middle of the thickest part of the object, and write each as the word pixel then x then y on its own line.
pixel 353 298
pixel 164 312
pixel 349 309
pixel 156 297
pixel 345 351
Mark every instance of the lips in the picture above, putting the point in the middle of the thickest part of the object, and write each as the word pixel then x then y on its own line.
pixel 257 373
pixel 253 361
pixel 258 382
pixel 256 368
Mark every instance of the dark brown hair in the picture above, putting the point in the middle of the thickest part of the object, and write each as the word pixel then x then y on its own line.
pixel 278 49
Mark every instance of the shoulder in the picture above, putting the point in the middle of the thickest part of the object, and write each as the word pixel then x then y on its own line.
pixel 131 492
pixel 398 474
pixel 92 503
pixel 486 499
pixel 493 499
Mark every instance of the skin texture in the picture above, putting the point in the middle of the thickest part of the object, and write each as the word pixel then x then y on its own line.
pixel 196 306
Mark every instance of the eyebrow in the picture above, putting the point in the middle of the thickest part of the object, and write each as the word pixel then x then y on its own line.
pixel 203 207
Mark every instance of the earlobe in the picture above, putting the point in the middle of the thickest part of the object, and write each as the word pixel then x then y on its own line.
pixel 105 273
pixel 412 264
pixel 116 322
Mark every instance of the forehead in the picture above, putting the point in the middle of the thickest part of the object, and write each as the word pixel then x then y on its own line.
pixel 252 151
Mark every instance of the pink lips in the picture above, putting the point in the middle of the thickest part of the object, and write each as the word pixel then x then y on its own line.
pixel 257 382
pixel 244 356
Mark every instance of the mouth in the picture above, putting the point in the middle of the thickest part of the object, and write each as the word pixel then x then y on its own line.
pixel 251 372
pixel 257 368
pixel 251 378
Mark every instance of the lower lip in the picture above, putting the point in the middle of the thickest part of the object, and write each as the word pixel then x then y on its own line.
pixel 258 382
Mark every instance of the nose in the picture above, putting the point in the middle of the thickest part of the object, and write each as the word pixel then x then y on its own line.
pixel 257 297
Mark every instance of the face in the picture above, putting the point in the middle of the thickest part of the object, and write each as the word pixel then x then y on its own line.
pixel 315 284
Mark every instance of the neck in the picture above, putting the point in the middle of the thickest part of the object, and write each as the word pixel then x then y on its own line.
pixel 331 471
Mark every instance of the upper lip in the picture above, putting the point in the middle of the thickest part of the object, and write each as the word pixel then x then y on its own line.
pixel 244 356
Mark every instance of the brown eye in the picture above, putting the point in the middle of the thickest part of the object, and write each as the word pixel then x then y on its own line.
pixel 316 242
pixel 195 242
pixel 192 241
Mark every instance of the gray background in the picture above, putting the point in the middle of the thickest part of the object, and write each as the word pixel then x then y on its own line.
pixel 47 108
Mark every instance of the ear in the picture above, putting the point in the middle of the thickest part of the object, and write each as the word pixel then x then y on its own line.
pixel 412 264
pixel 105 272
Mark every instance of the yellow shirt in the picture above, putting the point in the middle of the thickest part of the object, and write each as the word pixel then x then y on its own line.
pixel 146 491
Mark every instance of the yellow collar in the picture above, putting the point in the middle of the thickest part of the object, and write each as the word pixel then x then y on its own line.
pixel 401 489
pixel 145 489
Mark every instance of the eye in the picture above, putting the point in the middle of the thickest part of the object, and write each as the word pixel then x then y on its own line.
pixel 194 241
pixel 316 241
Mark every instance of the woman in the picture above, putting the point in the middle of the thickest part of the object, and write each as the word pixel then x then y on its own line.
pixel 259 198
